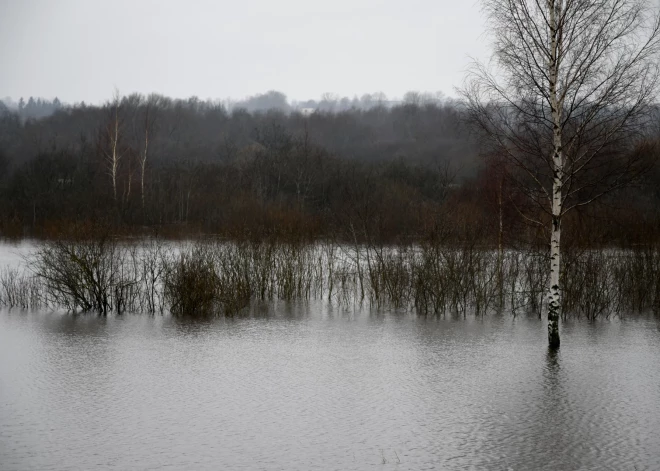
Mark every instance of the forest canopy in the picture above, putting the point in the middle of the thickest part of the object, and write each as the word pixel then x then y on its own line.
pixel 364 168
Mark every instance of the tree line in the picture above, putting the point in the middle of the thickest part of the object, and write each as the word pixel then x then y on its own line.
pixel 410 171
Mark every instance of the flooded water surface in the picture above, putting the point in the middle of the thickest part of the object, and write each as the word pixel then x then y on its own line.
pixel 311 388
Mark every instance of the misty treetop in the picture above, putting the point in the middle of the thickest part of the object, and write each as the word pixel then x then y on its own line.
pixel 33 108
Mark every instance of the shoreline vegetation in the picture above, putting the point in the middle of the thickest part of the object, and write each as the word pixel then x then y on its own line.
pixel 209 278
pixel 390 206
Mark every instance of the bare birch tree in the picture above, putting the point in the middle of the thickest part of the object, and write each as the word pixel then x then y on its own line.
pixel 565 99
pixel 112 150
pixel 149 125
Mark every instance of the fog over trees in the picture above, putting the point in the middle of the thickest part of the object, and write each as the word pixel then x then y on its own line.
pixel 154 161
pixel 378 169
pixel 33 108
pixel 370 168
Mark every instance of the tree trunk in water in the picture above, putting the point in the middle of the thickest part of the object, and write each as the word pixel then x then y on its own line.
pixel 554 302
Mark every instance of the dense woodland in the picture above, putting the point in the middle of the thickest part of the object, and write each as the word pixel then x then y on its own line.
pixel 351 170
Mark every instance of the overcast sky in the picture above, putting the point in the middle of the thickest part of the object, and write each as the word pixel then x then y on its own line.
pixel 83 49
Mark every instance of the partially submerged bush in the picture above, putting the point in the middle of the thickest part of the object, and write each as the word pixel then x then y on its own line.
pixel 87 275
pixel 191 284
pixel 241 275
pixel 151 260
pixel 18 289
pixel 211 278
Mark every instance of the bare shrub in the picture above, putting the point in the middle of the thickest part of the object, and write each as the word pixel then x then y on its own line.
pixel 18 289
pixel 87 275
pixel 221 278
pixel 191 283
pixel 152 261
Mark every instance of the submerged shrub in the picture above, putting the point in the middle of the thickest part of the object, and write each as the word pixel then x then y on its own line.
pixel 87 275
pixel 239 277
pixel 152 260
pixel 18 289
pixel 191 284
pixel 213 278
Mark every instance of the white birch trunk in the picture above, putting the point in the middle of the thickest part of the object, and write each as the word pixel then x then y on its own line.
pixel 145 153
pixel 114 159
pixel 143 163
pixel 113 156
pixel 554 300
pixel 130 181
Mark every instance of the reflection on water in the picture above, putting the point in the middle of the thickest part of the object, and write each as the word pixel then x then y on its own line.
pixel 314 387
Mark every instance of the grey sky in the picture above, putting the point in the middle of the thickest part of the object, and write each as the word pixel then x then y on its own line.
pixel 83 49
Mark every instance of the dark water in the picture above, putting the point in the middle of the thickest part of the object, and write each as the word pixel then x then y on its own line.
pixel 316 389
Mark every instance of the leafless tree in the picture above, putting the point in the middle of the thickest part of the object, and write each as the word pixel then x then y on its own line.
pixel 112 151
pixel 565 99
pixel 149 127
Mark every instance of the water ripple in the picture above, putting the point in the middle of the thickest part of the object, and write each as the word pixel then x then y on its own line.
pixel 316 392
